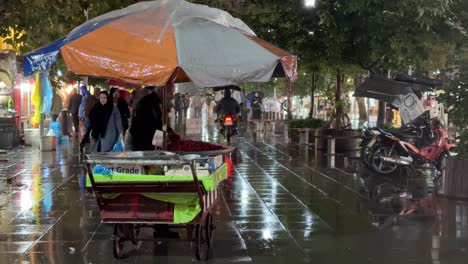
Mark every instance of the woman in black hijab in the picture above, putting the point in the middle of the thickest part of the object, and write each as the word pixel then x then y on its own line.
pixel 105 124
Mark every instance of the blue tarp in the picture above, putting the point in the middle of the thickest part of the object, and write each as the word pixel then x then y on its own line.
pixel 43 58
pixel 85 93
pixel 46 94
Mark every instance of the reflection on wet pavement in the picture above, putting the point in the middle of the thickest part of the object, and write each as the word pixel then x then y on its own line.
pixel 280 206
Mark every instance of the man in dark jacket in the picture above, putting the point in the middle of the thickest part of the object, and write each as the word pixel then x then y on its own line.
pixel 146 119
pixel 74 109
pixel 227 106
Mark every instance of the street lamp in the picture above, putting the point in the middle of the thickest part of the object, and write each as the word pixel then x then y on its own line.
pixel 309 3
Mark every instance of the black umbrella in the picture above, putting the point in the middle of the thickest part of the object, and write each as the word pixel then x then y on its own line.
pixel 231 87
pixel 251 95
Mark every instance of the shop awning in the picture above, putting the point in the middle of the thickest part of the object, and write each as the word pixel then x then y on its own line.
pixel 42 58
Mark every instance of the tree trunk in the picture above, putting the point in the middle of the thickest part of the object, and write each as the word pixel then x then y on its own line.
pixel 313 87
pixel 382 114
pixel 289 89
pixel 338 95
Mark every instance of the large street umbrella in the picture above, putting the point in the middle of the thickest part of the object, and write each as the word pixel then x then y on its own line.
pixel 160 42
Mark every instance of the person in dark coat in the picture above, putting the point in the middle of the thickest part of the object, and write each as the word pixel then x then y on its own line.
pixel 257 107
pixel 227 106
pixel 90 102
pixel 74 109
pixel 105 124
pixel 146 119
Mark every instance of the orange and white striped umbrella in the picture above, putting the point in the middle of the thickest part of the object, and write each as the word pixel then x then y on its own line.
pixel 159 42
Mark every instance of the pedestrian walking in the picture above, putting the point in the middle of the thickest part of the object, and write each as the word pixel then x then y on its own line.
pixel 178 106
pixel 257 107
pixel 57 106
pixel 90 102
pixel 196 102
pixel 122 105
pixel 74 108
pixel 105 125
pixel 146 119
pixel 186 104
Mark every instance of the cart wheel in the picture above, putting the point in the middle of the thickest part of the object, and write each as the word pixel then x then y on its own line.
pixel 210 227
pixel 136 233
pixel 122 233
pixel 203 236
pixel 118 243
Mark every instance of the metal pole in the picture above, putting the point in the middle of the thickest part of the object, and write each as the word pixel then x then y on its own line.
pixel 164 112
pixel 289 99
pixel 331 152
pixel 85 79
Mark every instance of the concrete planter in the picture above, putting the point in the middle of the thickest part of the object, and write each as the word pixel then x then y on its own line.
pixel 294 135
pixel 454 178
pixel 350 142
pixel 321 138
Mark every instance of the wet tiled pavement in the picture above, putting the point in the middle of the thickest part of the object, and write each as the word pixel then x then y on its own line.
pixel 280 206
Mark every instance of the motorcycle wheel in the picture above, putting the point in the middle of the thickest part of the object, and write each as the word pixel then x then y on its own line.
pixel 441 161
pixel 228 134
pixel 366 155
pixel 379 165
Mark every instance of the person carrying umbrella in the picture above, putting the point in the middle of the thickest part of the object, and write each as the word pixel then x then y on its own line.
pixel 257 107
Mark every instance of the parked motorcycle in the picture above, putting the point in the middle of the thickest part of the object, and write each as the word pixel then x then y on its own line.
pixel 394 150
pixel 417 132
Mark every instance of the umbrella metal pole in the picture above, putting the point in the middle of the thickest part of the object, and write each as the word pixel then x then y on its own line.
pixel 164 117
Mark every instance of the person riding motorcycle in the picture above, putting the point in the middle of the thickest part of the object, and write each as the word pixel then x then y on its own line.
pixel 227 106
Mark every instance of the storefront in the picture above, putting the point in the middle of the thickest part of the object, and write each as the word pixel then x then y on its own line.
pixel 9 101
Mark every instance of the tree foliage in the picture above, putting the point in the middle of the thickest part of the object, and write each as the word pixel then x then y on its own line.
pixel 455 99
pixel 381 34
pixel 39 22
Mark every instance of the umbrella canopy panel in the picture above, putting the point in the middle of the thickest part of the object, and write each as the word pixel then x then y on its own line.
pixel 157 42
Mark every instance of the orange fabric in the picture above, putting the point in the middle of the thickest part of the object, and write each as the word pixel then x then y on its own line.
pixel 113 52
pixel 288 60
pixel 179 76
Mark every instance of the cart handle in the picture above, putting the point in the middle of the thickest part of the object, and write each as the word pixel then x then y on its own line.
pixel 138 162
pixel 197 185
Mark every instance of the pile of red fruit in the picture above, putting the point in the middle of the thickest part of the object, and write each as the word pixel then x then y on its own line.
pixel 192 146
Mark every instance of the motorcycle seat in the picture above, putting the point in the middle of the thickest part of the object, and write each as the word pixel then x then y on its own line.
pixel 405 136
